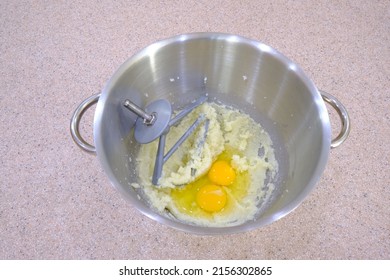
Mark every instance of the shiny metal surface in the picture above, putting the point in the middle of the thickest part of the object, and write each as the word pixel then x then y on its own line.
pixel 236 71
pixel 75 123
pixel 148 119
pixel 344 117
pixel 146 133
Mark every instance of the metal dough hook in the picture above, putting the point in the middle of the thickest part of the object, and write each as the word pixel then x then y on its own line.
pixel 155 121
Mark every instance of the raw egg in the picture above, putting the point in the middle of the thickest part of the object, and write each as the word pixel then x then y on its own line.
pixel 221 173
pixel 219 194
pixel 211 198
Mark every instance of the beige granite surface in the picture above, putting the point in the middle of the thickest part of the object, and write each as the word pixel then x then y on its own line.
pixel 57 203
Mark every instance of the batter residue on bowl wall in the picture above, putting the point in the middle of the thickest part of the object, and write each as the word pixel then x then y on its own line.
pixel 218 175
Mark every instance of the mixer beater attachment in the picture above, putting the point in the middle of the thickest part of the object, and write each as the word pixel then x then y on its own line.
pixel 155 121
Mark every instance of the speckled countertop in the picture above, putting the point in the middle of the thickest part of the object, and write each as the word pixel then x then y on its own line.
pixel 56 201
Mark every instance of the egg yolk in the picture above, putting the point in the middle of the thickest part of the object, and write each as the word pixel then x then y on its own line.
pixel 211 198
pixel 221 173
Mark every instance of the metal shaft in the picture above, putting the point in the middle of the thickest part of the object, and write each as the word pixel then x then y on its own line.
pixel 188 110
pixel 186 134
pixel 148 118
pixel 159 162
pixel 161 158
pixel 161 128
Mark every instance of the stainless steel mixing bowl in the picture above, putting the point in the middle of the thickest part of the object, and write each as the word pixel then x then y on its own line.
pixel 236 71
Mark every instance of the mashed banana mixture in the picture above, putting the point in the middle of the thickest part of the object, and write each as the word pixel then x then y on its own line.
pixel 218 175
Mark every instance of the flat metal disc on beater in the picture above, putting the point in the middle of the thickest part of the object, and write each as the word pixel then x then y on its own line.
pixel 145 133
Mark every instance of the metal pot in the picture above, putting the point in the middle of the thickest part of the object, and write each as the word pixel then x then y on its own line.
pixel 236 71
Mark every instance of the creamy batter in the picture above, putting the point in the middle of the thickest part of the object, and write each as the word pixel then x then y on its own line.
pixel 232 137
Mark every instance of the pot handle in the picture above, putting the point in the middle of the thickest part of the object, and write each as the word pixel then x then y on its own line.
pixel 75 123
pixel 343 114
